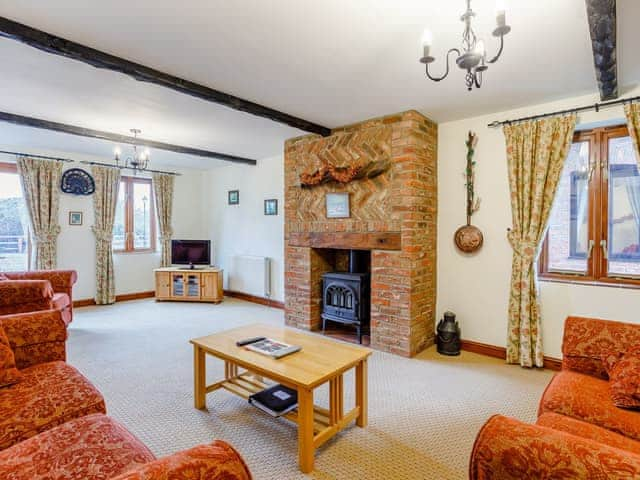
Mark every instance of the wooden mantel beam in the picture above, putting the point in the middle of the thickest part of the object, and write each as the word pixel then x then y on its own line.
pixel 602 27
pixel 115 137
pixel 66 48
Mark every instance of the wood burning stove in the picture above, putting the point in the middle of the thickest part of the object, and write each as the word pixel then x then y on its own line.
pixel 346 295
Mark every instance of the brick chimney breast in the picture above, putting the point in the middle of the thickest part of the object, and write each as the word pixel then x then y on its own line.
pixel 393 215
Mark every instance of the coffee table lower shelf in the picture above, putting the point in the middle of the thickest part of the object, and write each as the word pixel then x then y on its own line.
pixel 325 424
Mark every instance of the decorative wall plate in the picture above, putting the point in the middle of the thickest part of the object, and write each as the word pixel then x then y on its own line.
pixel 77 182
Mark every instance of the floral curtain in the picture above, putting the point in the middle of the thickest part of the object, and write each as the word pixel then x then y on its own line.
pixel 536 151
pixel 632 111
pixel 107 181
pixel 163 192
pixel 40 183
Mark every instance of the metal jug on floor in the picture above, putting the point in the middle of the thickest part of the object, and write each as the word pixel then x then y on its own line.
pixel 448 335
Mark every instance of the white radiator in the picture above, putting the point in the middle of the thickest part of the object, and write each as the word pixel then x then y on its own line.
pixel 250 274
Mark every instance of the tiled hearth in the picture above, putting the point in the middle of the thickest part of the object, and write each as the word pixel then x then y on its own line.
pixel 392 215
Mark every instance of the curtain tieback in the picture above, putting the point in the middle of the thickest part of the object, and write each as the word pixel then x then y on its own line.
pixel 165 238
pixel 102 235
pixel 524 249
pixel 47 235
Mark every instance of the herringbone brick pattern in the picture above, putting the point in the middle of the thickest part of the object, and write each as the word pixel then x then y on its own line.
pixel 369 197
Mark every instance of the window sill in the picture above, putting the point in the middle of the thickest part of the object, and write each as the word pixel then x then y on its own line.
pixel 612 283
pixel 134 252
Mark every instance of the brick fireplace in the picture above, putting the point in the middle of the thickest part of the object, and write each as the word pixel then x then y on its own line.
pixel 392 215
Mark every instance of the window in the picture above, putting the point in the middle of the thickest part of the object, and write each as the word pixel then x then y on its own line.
pixel 15 245
pixel 134 225
pixel 594 227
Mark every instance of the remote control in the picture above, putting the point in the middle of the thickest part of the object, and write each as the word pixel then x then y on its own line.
pixel 247 341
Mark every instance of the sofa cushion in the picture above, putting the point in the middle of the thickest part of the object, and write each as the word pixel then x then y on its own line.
pixel 48 395
pixel 586 339
pixel 588 430
pixel 95 447
pixel 9 374
pixel 587 398
pixel 624 381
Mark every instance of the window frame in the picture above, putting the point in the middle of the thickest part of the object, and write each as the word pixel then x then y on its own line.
pixel 597 263
pixel 7 167
pixel 129 242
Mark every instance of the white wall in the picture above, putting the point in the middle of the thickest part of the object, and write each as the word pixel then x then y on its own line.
pixel 476 287
pixel 133 271
pixel 244 229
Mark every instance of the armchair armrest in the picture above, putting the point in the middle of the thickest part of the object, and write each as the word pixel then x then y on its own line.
pixel 508 449
pixel 61 280
pixel 17 292
pixel 586 339
pixel 217 461
pixel 36 337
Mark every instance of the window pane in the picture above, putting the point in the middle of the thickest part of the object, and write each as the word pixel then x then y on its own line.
pixel 14 252
pixel 624 209
pixel 142 215
pixel 119 228
pixel 568 239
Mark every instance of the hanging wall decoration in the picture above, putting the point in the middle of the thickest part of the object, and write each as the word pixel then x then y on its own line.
pixel 468 238
pixel 77 182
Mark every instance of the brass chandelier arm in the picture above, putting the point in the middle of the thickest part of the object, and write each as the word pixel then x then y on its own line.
pixel 437 79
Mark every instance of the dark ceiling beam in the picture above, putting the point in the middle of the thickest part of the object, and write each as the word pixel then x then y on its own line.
pixel 66 48
pixel 602 27
pixel 115 137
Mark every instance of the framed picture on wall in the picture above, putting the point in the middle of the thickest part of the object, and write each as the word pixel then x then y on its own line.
pixel 337 205
pixel 75 218
pixel 271 206
pixel 234 197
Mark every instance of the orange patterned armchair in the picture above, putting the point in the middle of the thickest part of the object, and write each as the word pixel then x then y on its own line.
pixel 579 433
pixel 22 292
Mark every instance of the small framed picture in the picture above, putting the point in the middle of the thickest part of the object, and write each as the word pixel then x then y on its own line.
pixel 234 197
pixel 271 206
pixel 75 218
pixel 337 205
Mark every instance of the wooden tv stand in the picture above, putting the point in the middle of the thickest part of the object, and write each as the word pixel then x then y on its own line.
pixel 189 285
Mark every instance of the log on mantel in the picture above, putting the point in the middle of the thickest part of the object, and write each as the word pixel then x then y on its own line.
pixel 82 53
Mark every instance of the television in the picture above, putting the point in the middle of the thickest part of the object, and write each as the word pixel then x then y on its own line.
pixel 191 252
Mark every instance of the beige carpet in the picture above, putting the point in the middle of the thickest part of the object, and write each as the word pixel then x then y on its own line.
pixel 423 413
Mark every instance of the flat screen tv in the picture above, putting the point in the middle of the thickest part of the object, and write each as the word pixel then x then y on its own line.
pixel 191 252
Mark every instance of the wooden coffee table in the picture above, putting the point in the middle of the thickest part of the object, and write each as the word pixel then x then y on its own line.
pixel 321 360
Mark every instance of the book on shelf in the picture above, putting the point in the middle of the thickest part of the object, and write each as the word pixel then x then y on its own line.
pixel 273 348
pixel 276 400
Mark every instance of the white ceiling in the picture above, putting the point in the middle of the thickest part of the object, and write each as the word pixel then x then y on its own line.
pixel 332 62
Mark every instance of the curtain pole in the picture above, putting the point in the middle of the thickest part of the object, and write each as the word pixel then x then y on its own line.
pixel 127 168
pixel 586 108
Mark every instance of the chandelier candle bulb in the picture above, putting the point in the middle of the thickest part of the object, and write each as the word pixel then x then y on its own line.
pixel 427 41
pixel 501 13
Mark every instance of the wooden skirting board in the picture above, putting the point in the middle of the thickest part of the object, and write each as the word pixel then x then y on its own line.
pixel 119 298
pixel 252 298
pixel 501 352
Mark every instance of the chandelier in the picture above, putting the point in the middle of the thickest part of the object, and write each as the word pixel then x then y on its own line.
pixel 137 162
pixel 473 57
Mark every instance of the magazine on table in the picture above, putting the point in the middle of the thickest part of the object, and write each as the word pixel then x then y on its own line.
pixel 273 348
